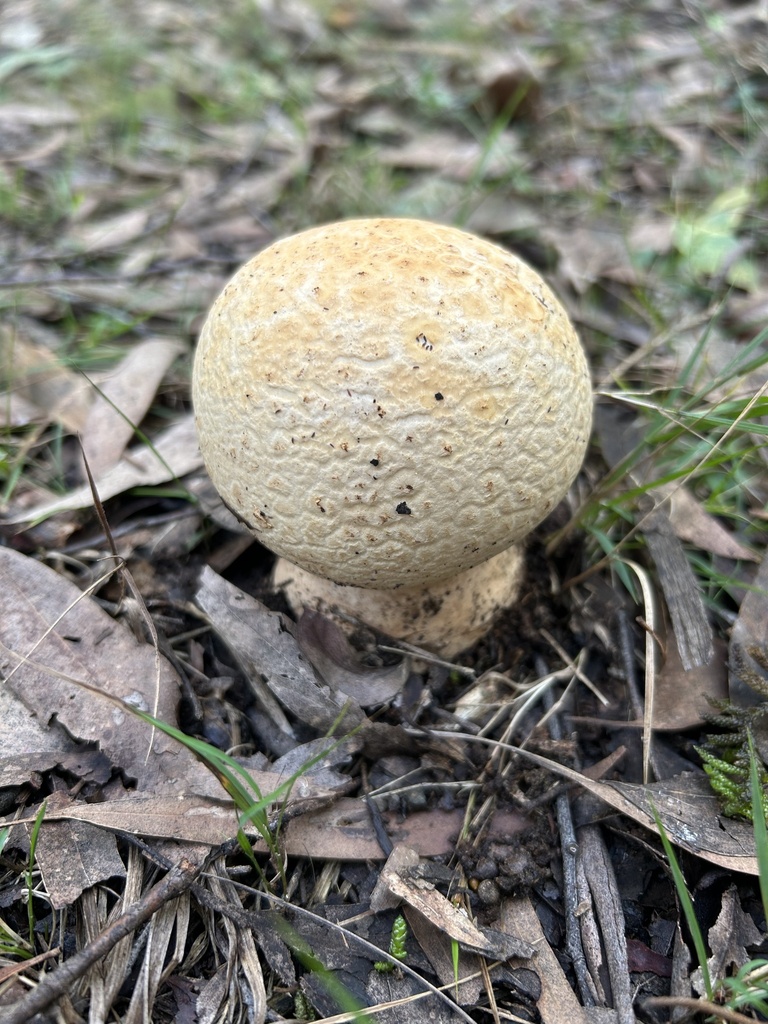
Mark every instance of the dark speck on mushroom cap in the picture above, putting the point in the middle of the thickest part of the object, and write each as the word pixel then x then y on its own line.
pixel 367 365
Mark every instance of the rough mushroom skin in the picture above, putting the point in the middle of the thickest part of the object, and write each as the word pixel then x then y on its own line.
pixel 389 402
pixel 445 617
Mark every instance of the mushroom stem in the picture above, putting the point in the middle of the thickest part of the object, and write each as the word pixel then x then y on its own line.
pixel 444 617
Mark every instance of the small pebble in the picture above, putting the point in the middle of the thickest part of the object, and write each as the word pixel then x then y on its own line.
pixel 486 867
pixel 488 893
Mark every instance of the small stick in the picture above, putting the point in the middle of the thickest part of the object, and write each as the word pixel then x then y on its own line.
pixel 569 849
pixel 179 878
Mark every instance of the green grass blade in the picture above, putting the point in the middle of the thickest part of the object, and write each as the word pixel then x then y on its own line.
pixel 758 824
pixel 686 903
pixel 30 864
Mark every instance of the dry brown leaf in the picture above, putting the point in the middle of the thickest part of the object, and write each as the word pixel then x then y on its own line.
pixel 38 376
pixel 32 115
pixel 67 637
pixel 339 829
pixel 729 936
pixel 453 155
pixel 200 202
pixel 73 856
pixel 193 819
pixel 183 292
pixel 264 643
pixel 691 145
pixel 589 254
pixel 496 214
pixel 122 400
pixel 400 860
pixel 691 523
pixel 16 411
pixel 437 949
pixel 691 816
pixel 179 244
pixel 113 232
pixel 170 921
pixel 681 698
pixel 343 831
pixel 748 653
pixel 22 733
pixel 39 152
pixel 423 897
pixel 173 454
pixel 398 877
pixel 89 765
pixel 260 190
pixel 324 644
pixel 619 435
pixel 750 310
pixel 651 233
pixel 511 83
pixel 238 229
pixel 682 591
pixel 558 1003
pixel 321 775
pixel 687 807
pixel 403 990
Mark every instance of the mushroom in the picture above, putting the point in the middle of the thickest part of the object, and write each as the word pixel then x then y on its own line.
pixel 391 405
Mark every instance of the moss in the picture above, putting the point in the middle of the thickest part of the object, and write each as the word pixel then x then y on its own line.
pixel 726 756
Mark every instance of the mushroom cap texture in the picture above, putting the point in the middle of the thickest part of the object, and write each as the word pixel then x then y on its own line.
pixel 389 402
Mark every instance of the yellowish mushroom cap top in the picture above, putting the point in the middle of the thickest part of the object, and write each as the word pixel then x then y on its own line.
pixel 388 402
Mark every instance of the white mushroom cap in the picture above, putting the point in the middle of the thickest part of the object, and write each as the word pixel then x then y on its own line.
pixel 388 403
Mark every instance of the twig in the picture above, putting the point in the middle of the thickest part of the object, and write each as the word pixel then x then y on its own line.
pixel 607 901
pixel 627 654
pixel 432 659
pixel 251 919
pixel 246 917
pixel 178 880
pixel 700 1006
pixel 379 828
pixel 569 849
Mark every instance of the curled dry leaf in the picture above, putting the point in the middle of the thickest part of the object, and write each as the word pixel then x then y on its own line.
pixel 693 524
pixel 113 232
pixel 730 935
pixel 264 643
pixel 682 698
pixel 53 636
pixel 749 637
pixel 324 644
pixel 123 399
pixel 511 84
pixel 399 878
pixel 687 807
pixel 74 855
pixel 38 377
pixel 173 454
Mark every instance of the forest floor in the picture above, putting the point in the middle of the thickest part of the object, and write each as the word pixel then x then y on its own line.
pixel 145 153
